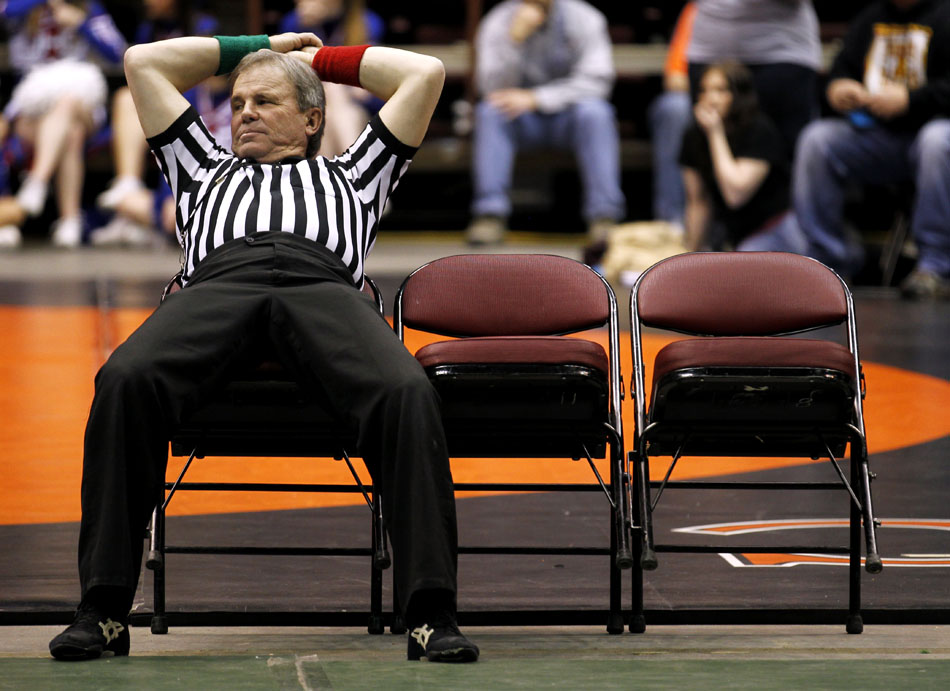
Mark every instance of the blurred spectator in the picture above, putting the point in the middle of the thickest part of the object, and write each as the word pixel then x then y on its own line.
pixel 778 41
pixel 339 22
pixel 652 21
pixel 12 214
pixel 137 210
pixel 734 168
pixel 544 73
pixel 58 101
pixel 670 114
pixel 891 85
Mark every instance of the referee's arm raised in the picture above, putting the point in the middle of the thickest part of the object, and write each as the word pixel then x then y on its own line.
pixel 409 83
pixel 159 73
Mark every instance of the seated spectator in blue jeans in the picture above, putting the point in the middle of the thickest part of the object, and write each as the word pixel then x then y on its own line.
pixel 670 114
pixel 734 169
pixel 544 72
pixel 891 85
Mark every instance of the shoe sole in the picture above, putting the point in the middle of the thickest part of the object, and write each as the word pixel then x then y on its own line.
pixel 70 652
pixel 453 655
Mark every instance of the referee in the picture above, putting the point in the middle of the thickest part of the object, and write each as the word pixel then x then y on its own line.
pixel 274 243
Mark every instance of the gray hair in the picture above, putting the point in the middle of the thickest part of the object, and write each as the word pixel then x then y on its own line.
pixel 306 83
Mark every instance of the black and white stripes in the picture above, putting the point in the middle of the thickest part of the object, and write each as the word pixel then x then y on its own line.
pixel 335 202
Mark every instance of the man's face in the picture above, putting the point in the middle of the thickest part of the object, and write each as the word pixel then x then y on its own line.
pixel 266 123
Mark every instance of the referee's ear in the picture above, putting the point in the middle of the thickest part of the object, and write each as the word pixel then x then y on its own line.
pixel 314 120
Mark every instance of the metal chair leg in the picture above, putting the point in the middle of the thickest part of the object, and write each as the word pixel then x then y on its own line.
pixel 872 560
pixel 855 624
pixel 618 477
pixel 615 615
pixel 381 558
pixel 637 621
pixel 648 560
pixel 381 561
pixel 156 563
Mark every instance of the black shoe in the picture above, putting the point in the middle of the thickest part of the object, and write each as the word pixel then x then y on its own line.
pixel 90 635
pixel 441 643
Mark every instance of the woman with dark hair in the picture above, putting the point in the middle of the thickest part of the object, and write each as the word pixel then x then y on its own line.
pixel 735 171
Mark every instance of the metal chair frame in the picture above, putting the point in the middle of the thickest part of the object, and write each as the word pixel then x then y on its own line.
pixel 778 436
pixel 213 431
pixel 472 388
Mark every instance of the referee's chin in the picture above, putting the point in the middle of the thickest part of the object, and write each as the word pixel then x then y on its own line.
pixel 270 155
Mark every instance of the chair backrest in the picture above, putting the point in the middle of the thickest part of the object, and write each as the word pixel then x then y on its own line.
pixel 740 293
pixel 503 295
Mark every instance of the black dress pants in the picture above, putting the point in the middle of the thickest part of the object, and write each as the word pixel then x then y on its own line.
pixel 300 297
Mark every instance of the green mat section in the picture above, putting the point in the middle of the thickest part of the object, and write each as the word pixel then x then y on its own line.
pixel 308 672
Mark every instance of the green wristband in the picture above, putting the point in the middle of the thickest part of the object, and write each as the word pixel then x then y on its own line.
pixel 233 48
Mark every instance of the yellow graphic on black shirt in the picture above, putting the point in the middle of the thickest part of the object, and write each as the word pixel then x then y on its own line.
pixel 898 53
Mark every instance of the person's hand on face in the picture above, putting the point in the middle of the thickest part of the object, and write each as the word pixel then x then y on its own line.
pixel 528 18
pixel 707 117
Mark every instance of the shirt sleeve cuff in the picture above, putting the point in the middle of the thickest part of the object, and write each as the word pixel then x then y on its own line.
pixel 389 139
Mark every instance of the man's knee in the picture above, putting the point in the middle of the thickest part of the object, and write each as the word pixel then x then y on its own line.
pixel 671 106
pixel 932 144
pixel 410 387
pixel 816 139
pixel 488 115
pixel 817 152
pixel 594 114
pixel 123 370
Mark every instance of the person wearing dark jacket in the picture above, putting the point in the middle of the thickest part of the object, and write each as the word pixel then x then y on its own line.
pixel 735 170
pixel 890 85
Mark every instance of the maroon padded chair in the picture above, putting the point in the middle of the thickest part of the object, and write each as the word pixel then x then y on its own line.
pixel 264 411
pixel 514 385
pixel 745 384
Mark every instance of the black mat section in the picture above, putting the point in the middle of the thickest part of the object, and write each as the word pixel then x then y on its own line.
pixel 38 571
pixel 38 567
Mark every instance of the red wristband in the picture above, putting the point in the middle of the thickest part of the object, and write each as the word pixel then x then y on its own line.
pixel 340 64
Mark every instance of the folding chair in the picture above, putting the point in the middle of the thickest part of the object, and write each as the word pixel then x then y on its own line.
pixel 263 411
pixel 741 387
pixel 513 385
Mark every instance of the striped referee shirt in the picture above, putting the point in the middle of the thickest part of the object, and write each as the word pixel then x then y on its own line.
pixel 335 202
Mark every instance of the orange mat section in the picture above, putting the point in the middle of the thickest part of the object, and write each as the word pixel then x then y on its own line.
pixel 49 357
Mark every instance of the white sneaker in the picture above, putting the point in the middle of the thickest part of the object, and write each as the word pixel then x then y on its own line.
pixel 10 237
pixel 118 190
pixel 32 196
pixel 598 230
pixel 121 231
pixel 67 232
pixel 486 230
pixel 138 235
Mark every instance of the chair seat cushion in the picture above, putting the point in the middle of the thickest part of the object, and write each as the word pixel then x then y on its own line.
pixel 552 350
pixel 739 352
